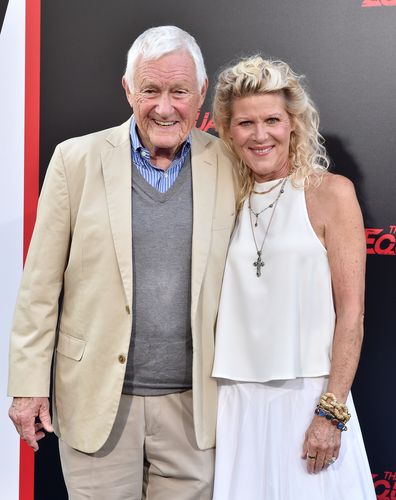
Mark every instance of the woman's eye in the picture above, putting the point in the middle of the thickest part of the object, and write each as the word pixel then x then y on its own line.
pixel 272 120
pixel 245 123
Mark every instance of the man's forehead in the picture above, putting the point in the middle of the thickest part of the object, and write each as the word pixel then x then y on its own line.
pixel 179 58
pixel 170 67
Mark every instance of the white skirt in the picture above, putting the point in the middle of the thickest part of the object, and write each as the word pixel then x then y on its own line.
pixel 260 435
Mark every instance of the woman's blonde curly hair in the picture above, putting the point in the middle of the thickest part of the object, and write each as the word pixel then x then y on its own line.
pixel 256 75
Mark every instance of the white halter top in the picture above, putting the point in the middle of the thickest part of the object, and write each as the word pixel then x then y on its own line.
pixel 279 325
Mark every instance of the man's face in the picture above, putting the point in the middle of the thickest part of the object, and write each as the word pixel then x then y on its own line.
pixel 165 102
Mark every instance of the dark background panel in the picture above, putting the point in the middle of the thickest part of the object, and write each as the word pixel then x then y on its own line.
pixel 344 50
pixel 3 10
pixel 372 389
pixel 347 55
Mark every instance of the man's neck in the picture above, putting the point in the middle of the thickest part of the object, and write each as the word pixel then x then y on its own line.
pixel 162 158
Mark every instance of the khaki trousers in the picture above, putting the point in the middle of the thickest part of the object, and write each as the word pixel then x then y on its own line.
pixel 150 454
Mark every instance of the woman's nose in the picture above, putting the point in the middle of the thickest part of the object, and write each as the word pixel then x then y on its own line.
pixel 260 132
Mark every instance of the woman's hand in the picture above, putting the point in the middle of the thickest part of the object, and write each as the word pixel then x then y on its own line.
pixel 321 444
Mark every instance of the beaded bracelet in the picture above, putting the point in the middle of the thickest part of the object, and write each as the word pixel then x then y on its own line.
pixel 322 412
pixel 340 411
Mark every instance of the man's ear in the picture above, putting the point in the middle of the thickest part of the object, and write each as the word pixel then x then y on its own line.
pixel 125 85
pixel 127 90
pixel 203 92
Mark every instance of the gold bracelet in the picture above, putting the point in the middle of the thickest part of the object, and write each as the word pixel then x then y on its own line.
pixel 329 402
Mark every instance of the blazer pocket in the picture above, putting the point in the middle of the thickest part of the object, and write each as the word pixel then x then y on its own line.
pixel 226 222
pixel 71 347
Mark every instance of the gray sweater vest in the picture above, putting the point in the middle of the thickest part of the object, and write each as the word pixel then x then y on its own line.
pixel 160 351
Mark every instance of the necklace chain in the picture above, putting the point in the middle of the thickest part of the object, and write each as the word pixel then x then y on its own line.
pixel 259 263
pixel 256 214
pixel 268 190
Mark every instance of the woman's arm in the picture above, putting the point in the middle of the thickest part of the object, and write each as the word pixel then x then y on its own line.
pixel 336 217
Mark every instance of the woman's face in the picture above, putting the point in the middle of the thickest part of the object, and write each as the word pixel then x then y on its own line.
pixel 260 131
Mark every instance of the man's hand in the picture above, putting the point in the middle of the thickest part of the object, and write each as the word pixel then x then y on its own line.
pixel 23 413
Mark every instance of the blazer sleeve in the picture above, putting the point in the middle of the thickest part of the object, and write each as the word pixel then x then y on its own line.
pixel 36 313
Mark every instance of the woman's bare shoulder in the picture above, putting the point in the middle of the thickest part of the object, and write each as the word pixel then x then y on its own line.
pixel 332 188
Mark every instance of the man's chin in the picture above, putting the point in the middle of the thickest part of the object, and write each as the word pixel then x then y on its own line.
pixel 161 142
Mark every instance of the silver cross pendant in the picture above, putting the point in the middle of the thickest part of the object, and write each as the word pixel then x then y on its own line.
pixel 258 264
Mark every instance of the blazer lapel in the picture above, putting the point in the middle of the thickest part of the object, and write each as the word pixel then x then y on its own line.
pixel 116 167
pixel 204 174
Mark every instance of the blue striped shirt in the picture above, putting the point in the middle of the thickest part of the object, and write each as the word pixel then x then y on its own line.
pixel 159 179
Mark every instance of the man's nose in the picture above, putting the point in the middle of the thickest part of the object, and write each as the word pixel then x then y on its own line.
pixel 164 104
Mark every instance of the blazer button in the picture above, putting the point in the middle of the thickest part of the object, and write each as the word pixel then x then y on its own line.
pixel 122 358
pixel 128 310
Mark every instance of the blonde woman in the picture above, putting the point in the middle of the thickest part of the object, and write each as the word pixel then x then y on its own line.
pixel 290 323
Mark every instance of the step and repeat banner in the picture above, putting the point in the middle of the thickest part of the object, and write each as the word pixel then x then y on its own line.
pixel 346 50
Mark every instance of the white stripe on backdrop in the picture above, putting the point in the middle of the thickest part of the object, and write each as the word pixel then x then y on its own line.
pixel 12 89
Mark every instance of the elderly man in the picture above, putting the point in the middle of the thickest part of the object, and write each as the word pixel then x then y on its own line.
pixel 132 232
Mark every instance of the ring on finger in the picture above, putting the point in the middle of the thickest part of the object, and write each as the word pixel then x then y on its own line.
pixel 311 457
pixel 331 461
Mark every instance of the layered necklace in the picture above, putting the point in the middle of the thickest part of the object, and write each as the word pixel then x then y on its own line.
pixel 259 263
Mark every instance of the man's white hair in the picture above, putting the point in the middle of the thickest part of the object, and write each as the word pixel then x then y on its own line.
pixel 156 42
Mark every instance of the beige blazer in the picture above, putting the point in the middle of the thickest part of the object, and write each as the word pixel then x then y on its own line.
pixel 82 244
